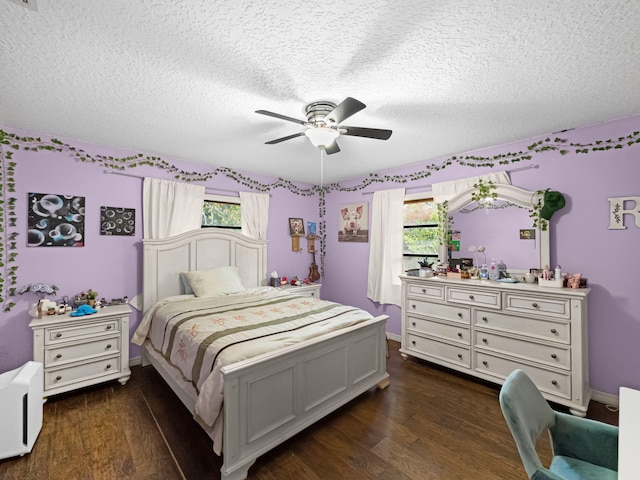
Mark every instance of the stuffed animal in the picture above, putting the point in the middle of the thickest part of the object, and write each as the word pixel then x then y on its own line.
pixel 83 310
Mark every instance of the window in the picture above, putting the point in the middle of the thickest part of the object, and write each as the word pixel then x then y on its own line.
pixel 221 212
pixel 420 238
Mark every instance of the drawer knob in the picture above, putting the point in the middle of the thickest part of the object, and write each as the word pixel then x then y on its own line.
pixel 485 363
pixel 534 305
pixel 460 314
pixel 460 356
pixel 58 378
pixel 554 382
pixel 485 340
pixel 460 334
pixel 58 335
pixel 471 297
pixel 413 324
pixel 554 356
pixel 413 306
pixel 485 319
pixel 554 331
pixel 59 355
pixel 108 346
pixel 108 366
pixel 413 342
pixel 109 327
pixel 424 290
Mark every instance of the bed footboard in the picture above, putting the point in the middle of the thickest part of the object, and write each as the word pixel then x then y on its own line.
pixel 272 397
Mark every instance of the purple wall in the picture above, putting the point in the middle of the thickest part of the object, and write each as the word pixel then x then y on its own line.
pixel 112 265
pixel 580 239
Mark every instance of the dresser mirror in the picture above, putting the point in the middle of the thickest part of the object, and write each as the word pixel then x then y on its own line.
pixel 502 224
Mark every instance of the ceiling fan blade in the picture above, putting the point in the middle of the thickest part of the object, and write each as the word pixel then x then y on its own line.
pixel 349 106
pixel 278 140
pixel 366 132
pixel 333 148
pixel 282 117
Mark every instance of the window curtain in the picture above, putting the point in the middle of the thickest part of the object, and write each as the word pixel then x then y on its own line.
pixel 254 214
pixel 170 208
pixel 446 190
pixel 385 254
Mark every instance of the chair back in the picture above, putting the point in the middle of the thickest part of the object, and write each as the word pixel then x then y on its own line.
pixel 527 414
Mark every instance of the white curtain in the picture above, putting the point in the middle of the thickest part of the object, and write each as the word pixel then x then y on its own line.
pixel 385 255
pixel 447 190
pixel 170 208
pixel 254 214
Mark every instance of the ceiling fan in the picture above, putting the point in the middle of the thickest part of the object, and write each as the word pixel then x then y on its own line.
pixel 323 124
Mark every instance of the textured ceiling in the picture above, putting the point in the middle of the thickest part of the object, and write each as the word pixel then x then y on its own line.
pixel 183 78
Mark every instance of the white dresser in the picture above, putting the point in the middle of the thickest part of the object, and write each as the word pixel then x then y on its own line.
pixel 81 351
pixel 487 329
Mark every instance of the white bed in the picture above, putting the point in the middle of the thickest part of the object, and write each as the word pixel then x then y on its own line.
pixel 270 397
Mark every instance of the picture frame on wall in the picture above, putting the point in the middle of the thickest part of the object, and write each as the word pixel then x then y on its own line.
pixel 117 221
pixel 55 220
pixel 296 226
pixel 353 223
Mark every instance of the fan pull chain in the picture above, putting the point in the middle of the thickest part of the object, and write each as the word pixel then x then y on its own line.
pixel 321 167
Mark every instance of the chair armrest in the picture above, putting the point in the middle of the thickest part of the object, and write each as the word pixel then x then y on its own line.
pixel 585 439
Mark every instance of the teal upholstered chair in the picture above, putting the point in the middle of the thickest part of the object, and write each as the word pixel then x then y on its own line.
pixel 582 448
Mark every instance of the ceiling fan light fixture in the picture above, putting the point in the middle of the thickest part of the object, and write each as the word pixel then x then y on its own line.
pixel 322 136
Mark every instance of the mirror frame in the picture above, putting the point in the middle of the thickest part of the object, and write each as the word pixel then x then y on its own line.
pixel 509 193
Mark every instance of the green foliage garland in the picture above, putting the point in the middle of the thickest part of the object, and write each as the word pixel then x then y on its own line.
pixel 10 142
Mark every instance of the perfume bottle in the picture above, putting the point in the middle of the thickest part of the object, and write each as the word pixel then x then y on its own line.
pixel 494 273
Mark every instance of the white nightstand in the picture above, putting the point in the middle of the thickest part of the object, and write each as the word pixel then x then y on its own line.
pixel 309 289
pixel 81 351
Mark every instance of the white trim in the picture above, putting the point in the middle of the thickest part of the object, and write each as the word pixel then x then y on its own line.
pixel 212 197
pixel 394 337
pixel 606 398
pixel 133 361
pixel 427 195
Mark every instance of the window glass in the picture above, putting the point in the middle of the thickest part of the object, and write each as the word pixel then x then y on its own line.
pixel 420 237
pixel 221 214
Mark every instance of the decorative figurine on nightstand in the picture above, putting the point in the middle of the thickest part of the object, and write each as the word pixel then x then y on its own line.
pixel 83 310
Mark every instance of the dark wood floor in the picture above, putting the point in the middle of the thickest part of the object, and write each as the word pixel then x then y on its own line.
pixel 429 424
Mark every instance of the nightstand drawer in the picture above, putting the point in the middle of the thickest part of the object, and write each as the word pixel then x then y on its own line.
pixel 67 333
pixel 81 351
pixel 62 376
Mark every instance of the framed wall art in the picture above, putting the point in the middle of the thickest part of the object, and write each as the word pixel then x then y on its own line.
pixel 55 220
pixel 296 226
pixel 117 221
pixel 353 223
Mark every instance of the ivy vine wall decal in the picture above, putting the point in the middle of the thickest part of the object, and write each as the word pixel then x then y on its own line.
pixel 10 142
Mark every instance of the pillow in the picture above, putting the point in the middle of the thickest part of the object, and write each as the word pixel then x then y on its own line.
pixel 186 288
pixel 214 282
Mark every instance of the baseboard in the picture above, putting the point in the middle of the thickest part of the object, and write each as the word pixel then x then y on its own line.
pixel 394 337
pixel 606 398
pixel 133 361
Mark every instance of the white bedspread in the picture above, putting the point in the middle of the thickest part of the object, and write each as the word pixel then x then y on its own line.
pixel 199 336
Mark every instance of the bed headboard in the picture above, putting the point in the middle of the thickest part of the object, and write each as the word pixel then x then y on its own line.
pixel 202 249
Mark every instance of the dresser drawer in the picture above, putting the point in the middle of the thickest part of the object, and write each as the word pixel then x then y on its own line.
pixel 439 350
pixel 70 353
pixel 433 292
pixel 446 331
pixel 548 381
pixel 474 297
pixel 62 376
pixel 68 332
pixel 436 310
pixel 554 356
pixel 550 306
pixel 543 329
